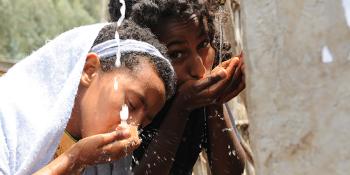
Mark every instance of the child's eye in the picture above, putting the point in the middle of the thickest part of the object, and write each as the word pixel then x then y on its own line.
pixel 205 43
pixel 176 55
pixel 134 102
pixel 130 105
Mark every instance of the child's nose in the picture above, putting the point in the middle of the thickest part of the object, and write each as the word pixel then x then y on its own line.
pixel 197 68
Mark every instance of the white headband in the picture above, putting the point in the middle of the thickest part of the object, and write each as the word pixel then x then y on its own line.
pixel 109 48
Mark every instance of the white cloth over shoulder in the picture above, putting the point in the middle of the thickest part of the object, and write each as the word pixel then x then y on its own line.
pixel 36 100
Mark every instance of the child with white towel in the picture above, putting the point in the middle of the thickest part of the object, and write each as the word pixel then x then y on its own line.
pixel 70 89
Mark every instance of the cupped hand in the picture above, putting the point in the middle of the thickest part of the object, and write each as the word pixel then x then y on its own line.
pixel 235 81
pixel 197 93
pixel 106 147
pixel 223 83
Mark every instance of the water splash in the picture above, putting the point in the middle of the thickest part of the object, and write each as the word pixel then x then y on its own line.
pixel 124 115
pixel 221 17
pixel 119 22
pixel 122 12
pixel 135 160
pixel 227 130
pixel 117 61
pixel 116 84
pixel 124 112
pixel 221 34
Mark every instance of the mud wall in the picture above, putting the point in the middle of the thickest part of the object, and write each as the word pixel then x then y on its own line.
pixel 298 85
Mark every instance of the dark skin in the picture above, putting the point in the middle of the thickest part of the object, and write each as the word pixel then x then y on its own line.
pixel 199 86
pixel 95 117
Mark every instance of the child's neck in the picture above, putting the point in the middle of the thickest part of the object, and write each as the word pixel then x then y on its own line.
pixel 73 127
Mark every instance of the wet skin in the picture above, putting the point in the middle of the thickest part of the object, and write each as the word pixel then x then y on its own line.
pixel 192 54
pixel 189 48
pixel 95 117
pixel 100 103
pixel 198 86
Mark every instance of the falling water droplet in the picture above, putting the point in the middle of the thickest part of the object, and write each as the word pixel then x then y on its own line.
pixel 227 130
pixel 221 18
pixel 115 85
pixel 122 12
pixel 124 115
pixel 234 152
pixel 119 22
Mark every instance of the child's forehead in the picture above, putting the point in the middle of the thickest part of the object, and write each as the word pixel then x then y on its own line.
pixel 136 70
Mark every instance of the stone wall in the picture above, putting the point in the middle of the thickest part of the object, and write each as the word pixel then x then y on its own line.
pixel 298 85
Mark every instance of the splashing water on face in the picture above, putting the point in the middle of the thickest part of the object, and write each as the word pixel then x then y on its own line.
pixel 124 115
pixel 124 112
pixel 115 85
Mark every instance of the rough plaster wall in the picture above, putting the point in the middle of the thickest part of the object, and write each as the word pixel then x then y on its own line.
pixel 298 106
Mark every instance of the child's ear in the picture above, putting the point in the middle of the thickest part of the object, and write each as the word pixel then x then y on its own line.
pixel 92 65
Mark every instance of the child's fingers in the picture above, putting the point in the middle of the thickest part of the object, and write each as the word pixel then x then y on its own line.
pixel 210 80
pixel 234 64
pixel 219 87
pixel 225 64
pixel 121 148
pixel 115 135
pixel 227 97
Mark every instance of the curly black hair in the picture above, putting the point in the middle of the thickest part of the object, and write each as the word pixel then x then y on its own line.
pixel 148 13
pixel 130 30
pixel 114 9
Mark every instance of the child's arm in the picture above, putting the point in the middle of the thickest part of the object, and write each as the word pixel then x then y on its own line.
pixel 166 142
pixel 66 163
pixel 226 154
pixel 191 95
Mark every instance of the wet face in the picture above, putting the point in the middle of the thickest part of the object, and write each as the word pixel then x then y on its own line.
pixel 101 103
pixel 188 46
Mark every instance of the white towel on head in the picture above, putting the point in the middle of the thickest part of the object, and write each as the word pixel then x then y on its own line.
pixel 36 100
